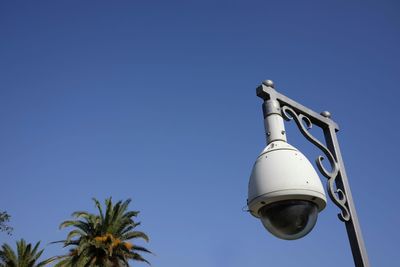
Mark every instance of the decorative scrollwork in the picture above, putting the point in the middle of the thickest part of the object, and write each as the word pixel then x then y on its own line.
pixel 337 195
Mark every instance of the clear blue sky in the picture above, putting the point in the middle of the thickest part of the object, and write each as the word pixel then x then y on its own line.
pixel 155 101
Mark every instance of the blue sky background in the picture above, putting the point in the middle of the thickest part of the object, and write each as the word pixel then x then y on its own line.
pixel 155 101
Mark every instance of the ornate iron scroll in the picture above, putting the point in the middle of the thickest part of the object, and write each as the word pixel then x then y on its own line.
pixel 337 195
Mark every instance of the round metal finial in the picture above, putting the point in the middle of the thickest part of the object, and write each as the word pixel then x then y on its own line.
pixel 326 114
pixel 269 83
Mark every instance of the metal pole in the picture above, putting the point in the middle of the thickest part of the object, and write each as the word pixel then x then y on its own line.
pixel 352 225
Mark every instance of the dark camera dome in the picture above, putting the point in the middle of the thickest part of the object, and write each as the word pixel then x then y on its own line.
pixel 289 219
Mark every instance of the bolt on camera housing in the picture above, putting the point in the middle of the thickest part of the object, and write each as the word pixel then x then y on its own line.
pixel 285 191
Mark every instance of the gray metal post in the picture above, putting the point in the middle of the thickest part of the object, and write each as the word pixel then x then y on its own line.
pixel 337 184
pixel 352 225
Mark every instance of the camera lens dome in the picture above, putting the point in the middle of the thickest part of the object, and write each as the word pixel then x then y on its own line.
pixel 289 219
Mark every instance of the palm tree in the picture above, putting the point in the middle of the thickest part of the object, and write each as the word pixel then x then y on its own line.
pixel 102 239
pixel 26 256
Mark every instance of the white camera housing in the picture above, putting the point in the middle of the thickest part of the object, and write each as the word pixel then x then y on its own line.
pixel 285 192
pixel 271 182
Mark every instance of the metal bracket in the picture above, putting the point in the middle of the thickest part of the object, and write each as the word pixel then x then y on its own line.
pixel 337 195
pixel 267 92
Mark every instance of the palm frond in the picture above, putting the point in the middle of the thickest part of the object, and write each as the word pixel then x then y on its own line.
pixel 135 234
pixel 99 208
pixel 80 214
pixel 139 248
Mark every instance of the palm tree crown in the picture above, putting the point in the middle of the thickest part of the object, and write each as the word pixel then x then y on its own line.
pixel 102 239
pixel 26 256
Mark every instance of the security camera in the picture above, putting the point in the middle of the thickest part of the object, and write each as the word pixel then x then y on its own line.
pixel 285 192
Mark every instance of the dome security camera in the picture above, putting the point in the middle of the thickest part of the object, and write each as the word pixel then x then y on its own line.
pixel 285 191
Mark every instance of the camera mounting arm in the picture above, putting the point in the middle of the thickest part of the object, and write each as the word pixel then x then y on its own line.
pixel 278 105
